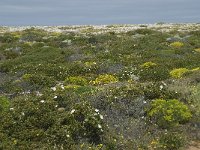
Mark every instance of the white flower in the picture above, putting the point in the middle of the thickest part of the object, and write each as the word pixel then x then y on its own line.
pixel 101 116
pixel 99 126
pixel 55 97
pixel 96 110
pixel 38 93
pixel 62 87
pixel 68 135
pixel 164 83
pixel 22 113
pixel 53 88
pixel 73 110
pixel 161 87
pixel 56 106
pixel 144 102
pixel 11 108
pixel 28 92
pixel 42 101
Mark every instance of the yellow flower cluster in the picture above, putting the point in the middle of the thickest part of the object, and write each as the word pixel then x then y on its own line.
pixel 177 44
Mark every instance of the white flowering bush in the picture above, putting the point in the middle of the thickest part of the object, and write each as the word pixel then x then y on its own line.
pixel 89 120
pixel 47 122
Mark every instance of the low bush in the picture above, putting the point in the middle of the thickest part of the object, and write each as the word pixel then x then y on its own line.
pixel 39 80
pixel 169 113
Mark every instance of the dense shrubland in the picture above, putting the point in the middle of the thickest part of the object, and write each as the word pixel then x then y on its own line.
pixel 134 90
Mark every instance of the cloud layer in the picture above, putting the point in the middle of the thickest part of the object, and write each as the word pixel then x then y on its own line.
pixel 68 12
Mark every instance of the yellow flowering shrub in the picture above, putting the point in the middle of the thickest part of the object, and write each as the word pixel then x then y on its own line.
pixel 105 79
pixel 178 73
pixel 177 44
pixel 77 80
pixel 148 64
pixel 169 113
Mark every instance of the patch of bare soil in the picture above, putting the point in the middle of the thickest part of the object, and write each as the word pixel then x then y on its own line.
pixel 194 146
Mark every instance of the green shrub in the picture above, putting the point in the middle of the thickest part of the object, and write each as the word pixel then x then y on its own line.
pixel 157 90
pixel 8 38
pixel 154 74
pixel 11 54
pixel 169 113
pixel 39 79
pixel 87 122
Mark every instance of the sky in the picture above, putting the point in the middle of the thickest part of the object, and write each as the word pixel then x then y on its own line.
pixel 97 12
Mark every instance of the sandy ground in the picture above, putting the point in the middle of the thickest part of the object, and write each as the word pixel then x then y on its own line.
pixel 99 29
pixel 194 146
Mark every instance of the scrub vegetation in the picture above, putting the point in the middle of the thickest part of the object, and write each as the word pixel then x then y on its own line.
pixel 137 90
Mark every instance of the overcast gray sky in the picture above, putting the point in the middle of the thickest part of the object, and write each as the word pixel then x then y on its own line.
pixel 70 12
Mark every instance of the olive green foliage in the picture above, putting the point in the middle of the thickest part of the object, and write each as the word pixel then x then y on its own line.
pixel 99 88
pixel 4 103
pixel 169 113
pixel 38 79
